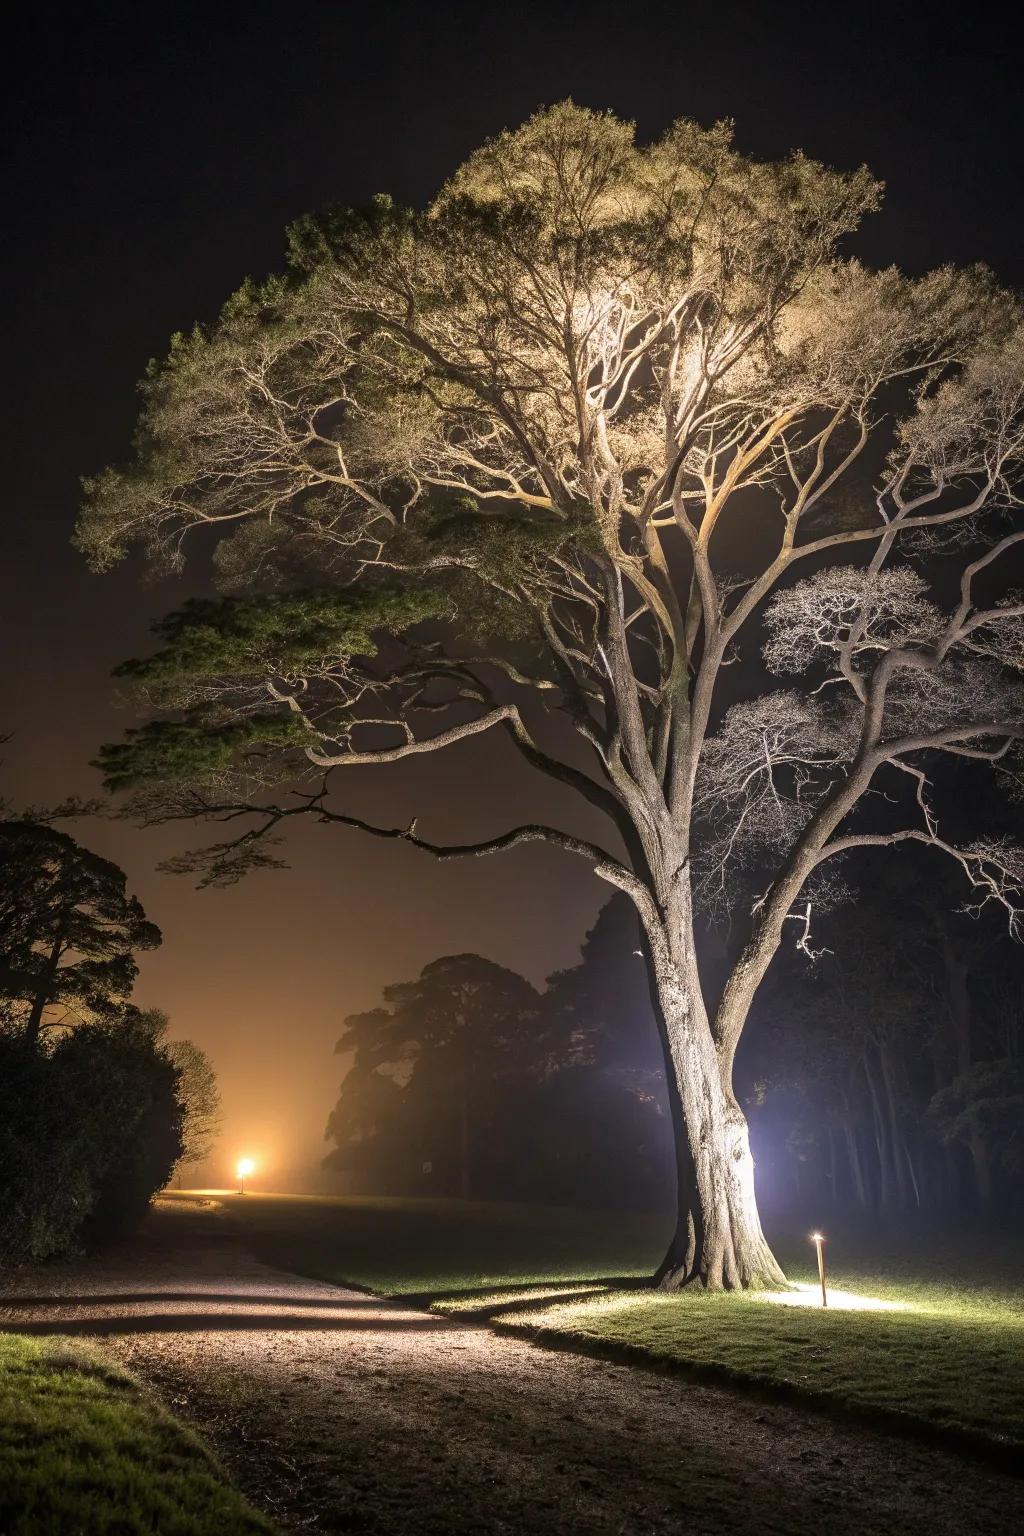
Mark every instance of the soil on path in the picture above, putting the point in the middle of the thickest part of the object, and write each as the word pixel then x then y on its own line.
pixel 340 1412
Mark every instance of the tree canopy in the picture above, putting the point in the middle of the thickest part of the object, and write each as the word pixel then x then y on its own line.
pixel 69 931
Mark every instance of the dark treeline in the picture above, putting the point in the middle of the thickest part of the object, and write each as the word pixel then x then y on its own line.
pixel 470 1082
pixel 889 1073
pixel 884 1072
pixel 97 1108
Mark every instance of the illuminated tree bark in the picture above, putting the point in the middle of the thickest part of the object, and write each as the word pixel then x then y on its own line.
pixel 718 1241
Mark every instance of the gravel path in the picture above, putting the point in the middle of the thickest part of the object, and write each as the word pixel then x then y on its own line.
pixel 338 1412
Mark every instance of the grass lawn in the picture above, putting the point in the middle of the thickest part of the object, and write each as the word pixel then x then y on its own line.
pixel 939 1349
pixel 914 1336
pixel 85 1450
pixel 427 1247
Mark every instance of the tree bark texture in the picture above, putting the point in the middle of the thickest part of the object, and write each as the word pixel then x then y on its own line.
pixel 718 1242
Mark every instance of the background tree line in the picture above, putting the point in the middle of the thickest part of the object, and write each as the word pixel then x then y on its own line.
pixel 884 1071
pixel 97 1106
pixel 891 1077
pixel 471 1082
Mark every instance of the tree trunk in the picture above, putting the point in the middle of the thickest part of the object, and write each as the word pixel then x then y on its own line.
pixel 945 1179
pixel 881 1137
pixel 718 1242
pixel 959 1003
pixel 897 1140
pixel 860 1188
pixel 914 1182
pixel 34 1026
pixel 464 1143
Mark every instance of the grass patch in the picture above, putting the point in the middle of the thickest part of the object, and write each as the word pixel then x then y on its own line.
pixel 85 1450
pixel 945 1360
pixel 937 1349
pixel 424 1248
pixel 955 1375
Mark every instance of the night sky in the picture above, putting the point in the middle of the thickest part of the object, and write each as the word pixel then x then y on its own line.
pixel 155 156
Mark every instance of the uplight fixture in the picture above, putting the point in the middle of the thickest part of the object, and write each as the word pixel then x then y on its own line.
pixel 817 1238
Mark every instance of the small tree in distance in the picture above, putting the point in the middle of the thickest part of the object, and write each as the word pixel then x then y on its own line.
pixel 603 415
pixel 199 1097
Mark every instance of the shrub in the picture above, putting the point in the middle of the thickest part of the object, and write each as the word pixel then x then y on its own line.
pixel 89 1130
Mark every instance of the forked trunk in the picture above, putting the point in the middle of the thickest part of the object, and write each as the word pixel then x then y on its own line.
pixel 718 1242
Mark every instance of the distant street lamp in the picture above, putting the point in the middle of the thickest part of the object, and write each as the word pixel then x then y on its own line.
pixel 245 1167
pixel 817 1239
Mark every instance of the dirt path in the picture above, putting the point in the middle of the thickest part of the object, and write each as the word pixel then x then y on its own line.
pixel 339 1412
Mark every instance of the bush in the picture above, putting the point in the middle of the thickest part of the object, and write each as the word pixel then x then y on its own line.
pixel 89 1130
pixel 45 1186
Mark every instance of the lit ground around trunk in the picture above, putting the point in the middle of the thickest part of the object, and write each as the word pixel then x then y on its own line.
pixel 921 1332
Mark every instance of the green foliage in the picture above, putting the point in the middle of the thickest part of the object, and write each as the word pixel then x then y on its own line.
pixel 233 642
pixel 508 544
pixel 85 1449
pixel 89 1130
pixel 68 928
pixel 337 232
pixel 497 563
pixel 173 751
pixel 278 633
pixel 129 1122
pixel 46 1184
pixel 199 1098
pixel 91 1105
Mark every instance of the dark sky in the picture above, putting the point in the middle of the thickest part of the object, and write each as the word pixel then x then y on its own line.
pixel 155 156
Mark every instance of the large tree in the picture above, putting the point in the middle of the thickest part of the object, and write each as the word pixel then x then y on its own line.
pixel 593 413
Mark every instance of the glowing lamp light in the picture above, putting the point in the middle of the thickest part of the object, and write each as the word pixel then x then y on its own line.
pixel 817 1239
pixel 244 1168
